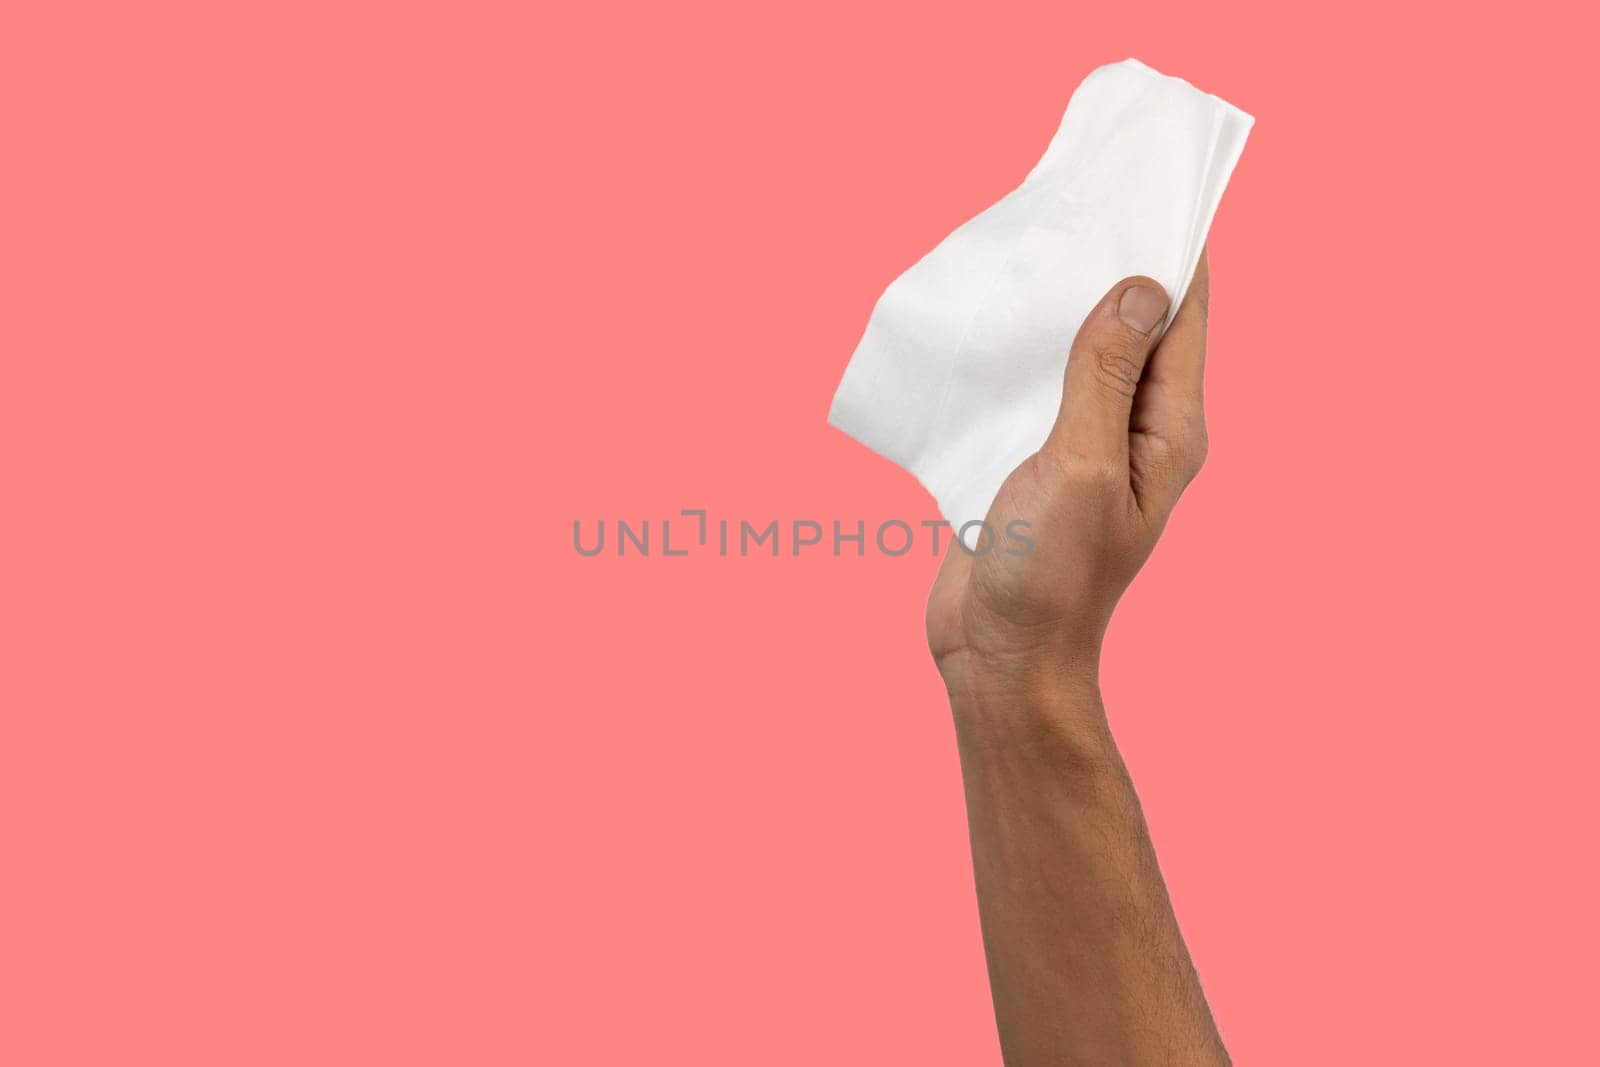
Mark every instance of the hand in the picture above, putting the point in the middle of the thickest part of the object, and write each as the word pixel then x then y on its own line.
pixel 1130 437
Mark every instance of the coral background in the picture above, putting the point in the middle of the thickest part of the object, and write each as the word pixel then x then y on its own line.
pixel 320 324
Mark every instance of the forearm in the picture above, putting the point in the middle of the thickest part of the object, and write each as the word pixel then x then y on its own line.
pixel 1085 958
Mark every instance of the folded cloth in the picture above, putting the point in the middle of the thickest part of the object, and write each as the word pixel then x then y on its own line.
pixel 958 376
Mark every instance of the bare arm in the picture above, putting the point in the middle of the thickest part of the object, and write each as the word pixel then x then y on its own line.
pixel 1086 961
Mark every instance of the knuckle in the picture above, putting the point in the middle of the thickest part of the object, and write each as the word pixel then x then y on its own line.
pixel 1045 467
pixel 1185 440
pixel 1199 448
pixel 1096 475
pixel 1193 445
pixel 1117 366
pixel 1187 449
pixel 1184 463
pixel 1175 457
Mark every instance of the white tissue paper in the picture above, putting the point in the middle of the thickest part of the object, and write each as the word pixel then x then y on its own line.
pixel 958 376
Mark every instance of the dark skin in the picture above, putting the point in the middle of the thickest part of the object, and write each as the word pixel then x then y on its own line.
pixel 1086 961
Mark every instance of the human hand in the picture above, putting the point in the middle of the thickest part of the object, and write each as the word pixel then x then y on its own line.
pixel 1129 438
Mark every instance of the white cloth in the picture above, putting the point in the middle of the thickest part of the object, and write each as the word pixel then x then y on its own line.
pixel 958 376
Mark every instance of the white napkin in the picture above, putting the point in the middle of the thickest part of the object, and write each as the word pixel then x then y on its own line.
pixel 958 376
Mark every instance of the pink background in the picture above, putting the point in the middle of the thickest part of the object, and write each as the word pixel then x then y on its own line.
pixel 320 325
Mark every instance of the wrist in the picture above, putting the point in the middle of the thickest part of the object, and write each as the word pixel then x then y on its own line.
pixel 1020 677
pixel 1052 707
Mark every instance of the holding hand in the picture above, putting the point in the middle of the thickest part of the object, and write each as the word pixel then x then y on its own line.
pixel 1130 437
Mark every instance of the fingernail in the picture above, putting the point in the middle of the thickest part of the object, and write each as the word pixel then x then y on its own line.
pixel 1142 307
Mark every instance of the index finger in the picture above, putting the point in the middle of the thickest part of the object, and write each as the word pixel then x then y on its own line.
pixel 1179 361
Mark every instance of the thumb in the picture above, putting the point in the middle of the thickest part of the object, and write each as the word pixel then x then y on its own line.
pixel 1104 367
